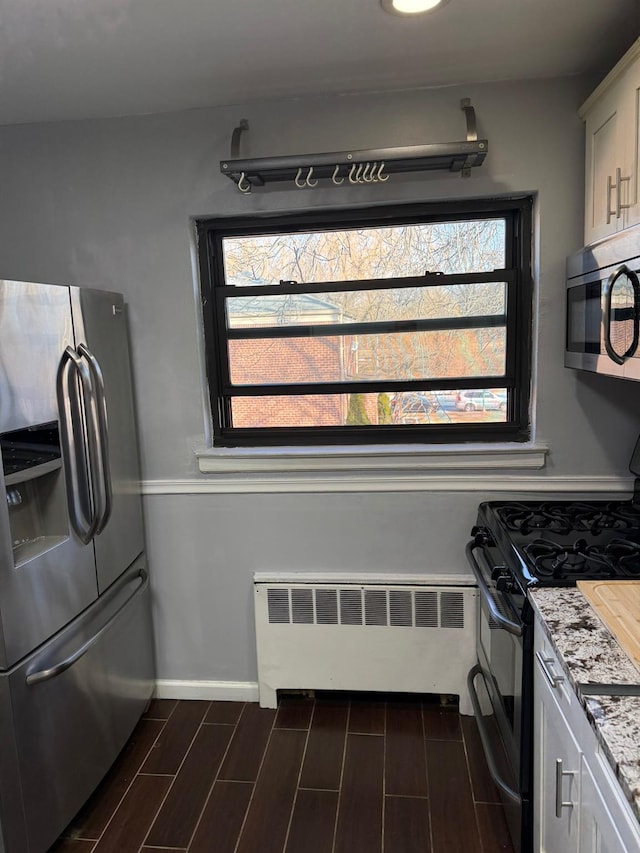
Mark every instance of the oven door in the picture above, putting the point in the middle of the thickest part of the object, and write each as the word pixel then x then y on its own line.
pixel 496 686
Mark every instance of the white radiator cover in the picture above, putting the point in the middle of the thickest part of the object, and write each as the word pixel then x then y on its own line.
pixel 387 637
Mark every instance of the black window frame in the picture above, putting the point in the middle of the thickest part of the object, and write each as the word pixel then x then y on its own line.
pixel 517 273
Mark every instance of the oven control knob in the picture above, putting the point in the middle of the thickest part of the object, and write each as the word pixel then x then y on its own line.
pixel 505 583
pixel 481 536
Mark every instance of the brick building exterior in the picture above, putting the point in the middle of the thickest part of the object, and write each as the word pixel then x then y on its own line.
pixel 291 360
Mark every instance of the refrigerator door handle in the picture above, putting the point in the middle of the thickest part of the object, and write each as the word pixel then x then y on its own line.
pixel 82 516
pixel 57 669
pixel 102 436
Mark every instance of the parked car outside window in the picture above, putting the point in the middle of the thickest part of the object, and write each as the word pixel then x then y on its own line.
pixel 480 400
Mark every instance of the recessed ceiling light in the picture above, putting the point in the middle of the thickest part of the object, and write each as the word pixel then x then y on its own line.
pixel 410 7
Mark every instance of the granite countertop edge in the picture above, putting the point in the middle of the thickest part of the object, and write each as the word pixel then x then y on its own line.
pixel 589 654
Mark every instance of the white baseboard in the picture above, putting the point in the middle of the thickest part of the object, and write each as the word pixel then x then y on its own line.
pixel 227 691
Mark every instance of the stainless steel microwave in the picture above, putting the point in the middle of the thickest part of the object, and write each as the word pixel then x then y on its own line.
pixel 603 307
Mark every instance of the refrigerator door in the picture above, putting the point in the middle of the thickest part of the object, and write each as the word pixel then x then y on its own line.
pixel 73 704
pixel 100 326
pixel 47 576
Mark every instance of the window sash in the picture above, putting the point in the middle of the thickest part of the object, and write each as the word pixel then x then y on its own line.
pixel 516 321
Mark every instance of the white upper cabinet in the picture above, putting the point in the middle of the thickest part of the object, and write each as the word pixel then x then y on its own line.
pixel 612 118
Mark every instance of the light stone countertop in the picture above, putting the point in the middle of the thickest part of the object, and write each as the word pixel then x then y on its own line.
pixel 590 654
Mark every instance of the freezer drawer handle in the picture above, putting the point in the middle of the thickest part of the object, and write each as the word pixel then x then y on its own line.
pixel 59 668
pixel 506 789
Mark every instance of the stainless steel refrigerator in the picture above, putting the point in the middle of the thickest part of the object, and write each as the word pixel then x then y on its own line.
pixel 76 648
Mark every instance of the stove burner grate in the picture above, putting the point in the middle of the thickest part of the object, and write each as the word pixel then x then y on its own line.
pixel 565 518
pixel 553 562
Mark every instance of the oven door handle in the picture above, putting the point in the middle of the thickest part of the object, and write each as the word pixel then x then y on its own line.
pixel 502 620
pixel 506 789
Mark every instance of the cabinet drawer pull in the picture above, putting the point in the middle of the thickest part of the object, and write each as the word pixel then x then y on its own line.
pixel 617 186
pixel 546 664
pixel 560 773
pixel 610 186
pixel 619 205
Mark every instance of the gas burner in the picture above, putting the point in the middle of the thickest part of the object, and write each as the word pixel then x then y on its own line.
pixel 565 518
pixel 526 517
pixel 623 514
pixel 624 554
pixel 555 563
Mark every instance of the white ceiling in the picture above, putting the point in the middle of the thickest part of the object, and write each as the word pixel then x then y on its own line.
pixel 67 59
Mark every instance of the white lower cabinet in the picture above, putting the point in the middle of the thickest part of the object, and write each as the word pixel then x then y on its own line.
pixel 599 830
pixel 556 767
pixel 579 806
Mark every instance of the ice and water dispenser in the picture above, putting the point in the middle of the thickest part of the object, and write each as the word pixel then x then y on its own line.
pixel 35 490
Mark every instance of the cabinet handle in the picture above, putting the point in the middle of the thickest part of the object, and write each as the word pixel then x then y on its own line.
pixel 610 186
pixel 546 664
pixel 617 211
pixel 619 206
pixel 560 773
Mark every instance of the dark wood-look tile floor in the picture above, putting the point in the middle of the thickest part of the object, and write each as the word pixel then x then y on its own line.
pixel 331 774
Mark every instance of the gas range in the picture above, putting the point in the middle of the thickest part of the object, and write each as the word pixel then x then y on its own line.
pixel 517 546
pixel 556 543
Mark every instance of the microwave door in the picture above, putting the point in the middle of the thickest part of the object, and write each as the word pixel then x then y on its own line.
pixel 585 347
pixel 632 323
pixel 620 315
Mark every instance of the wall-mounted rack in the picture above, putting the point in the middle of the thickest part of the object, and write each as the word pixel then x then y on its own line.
pixel 367 166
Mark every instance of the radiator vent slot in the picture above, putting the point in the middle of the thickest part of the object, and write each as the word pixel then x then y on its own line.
pixel 392 607
pixel 426 609
pixel 375 607
pixel 326 606
pixel 451 610
pixel 350 607
pixel 400 608
pixel 302 606
pixel 278 600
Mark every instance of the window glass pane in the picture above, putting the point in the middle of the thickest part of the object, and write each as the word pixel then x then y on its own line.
pixel 474 245
pixel 365 306
pixel 407 407
pixel 346 358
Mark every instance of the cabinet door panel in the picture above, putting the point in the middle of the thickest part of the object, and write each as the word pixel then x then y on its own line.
pixel 556 825
pixel 598 832
pixel 604 156
pixel 632 133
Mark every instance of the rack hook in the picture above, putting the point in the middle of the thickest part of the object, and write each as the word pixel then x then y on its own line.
pixel 247 186
pixel 334 177
pixel 309 182
pixel 352 179
pixel 368 176
pixel 380 176
pixel 358 177
pixel 296 180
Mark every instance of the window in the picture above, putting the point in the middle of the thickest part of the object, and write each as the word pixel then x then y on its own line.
pixel 388 324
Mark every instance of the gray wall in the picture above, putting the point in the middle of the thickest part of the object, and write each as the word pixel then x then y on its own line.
pixel 110 204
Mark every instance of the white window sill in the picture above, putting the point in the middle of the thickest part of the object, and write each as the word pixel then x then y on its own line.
pixel 366 468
